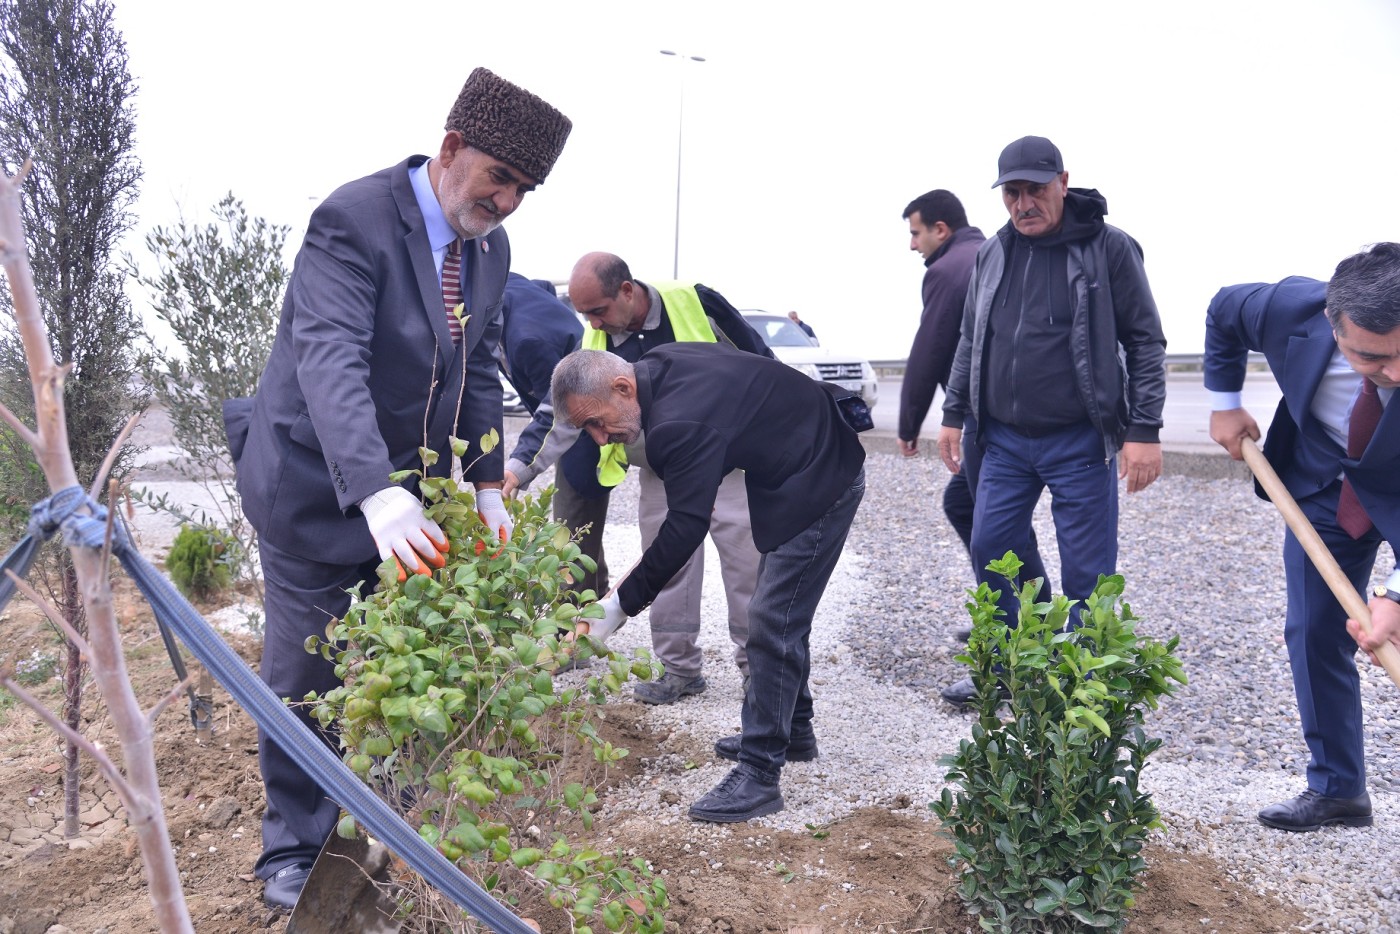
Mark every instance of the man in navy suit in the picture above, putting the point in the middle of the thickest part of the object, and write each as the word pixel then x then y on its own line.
pixel 540 330
pixel 1334 349
pixel 368 364
pixel 708 410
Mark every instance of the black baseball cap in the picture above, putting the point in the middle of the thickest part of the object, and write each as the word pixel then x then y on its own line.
pixel 1029 159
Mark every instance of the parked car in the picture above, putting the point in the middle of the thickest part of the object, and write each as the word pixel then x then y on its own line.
pixel 791 345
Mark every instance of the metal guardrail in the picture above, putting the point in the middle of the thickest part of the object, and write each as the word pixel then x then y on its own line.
pixel 1176 362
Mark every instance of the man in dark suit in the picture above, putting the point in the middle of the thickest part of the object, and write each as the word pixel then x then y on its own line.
pixel 540 330
pixel 1334 349
pixel 374 349
pixel 707 410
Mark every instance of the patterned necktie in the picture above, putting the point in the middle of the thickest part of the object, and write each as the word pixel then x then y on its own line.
pixel 1365 415
pixel 452 288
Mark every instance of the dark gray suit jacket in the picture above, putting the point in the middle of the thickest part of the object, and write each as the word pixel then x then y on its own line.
pixel 362 362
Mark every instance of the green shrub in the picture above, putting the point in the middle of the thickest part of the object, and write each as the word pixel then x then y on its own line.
pixel 1047 820
pixel 200 561
pixel 450 711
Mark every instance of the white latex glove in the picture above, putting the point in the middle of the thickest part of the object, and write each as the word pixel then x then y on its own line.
pixel 492 511
pixel 401 530
pixel 612 620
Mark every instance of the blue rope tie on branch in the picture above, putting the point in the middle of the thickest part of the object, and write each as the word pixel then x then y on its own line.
pixel 89 530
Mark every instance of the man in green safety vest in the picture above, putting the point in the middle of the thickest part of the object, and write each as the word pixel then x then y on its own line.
pixel 629 317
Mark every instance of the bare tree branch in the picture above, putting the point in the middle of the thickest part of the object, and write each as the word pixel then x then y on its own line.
pixel 170 696
pixel 118 781
pixel 112 453
pixel 49 610
pixel 19 427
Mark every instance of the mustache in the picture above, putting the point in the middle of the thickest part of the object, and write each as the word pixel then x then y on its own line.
pixel 1022 215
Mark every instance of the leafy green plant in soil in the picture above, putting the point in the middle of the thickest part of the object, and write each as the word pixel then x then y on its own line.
pixel 201 560
pixel 1046 816
pixel 451 711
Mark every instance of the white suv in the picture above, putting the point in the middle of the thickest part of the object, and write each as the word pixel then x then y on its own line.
pixel 791 345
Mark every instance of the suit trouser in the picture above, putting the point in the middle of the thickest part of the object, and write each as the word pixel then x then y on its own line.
pixel 1083 484
pixel 574 511
pixel 675 613
pixel 300 597
pixel 1322 654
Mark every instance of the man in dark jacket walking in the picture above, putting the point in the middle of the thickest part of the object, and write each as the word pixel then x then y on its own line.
pixel 940 233
pixel 1058 298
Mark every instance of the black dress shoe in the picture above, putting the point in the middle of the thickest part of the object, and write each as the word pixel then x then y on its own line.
pixel 284 888
pixel 742 795
pixel 964 693
pixel 1311 810
pixel 799 750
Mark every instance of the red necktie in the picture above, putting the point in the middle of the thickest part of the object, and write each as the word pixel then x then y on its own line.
pixel 452 288
pixel 1365 415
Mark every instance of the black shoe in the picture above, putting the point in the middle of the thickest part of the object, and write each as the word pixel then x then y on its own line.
pixel 668 688
pixel 1310 810
pixel 742 795
pixel 802 750
pixel 964 693
pixel 284 888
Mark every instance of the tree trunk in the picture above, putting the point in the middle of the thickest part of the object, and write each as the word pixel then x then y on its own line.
pixel 71 606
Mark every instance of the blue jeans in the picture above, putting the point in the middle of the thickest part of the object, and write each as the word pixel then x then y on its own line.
pixel 791 580
pixel 1083 486
pixel 960 504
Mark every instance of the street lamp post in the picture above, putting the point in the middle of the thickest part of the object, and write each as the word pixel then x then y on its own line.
pixel 680 136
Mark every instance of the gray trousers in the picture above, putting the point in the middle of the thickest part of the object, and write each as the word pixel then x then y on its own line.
pixel 675 613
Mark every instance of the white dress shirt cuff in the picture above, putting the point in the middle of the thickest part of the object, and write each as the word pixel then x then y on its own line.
pixel 1223 401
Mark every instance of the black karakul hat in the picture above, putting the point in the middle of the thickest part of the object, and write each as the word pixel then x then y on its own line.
pixel 509 123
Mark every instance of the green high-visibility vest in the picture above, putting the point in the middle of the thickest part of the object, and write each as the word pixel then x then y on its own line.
pixel 690 325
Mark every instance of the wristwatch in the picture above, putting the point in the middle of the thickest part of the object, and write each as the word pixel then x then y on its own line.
pixel 1386 590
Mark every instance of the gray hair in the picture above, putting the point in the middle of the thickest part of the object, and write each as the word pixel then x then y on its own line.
pixel 1365 290
pixel 587 373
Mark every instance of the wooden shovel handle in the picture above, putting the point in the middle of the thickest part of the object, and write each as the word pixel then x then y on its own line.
pixel 1322 559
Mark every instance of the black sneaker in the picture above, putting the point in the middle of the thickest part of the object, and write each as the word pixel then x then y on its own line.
pixel 964 693
pixel 668 689
pixel 800 750
pixel 742 795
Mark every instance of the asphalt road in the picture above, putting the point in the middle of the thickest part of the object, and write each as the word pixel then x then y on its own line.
pixel 1186 417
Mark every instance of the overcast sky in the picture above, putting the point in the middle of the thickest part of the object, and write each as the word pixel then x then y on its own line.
pixel 1237 141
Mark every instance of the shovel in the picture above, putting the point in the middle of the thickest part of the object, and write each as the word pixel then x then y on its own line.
pixel 1322 559
pixel 344 893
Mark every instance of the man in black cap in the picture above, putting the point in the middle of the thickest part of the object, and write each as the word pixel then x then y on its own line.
pixel 394 302
pixel 1057 299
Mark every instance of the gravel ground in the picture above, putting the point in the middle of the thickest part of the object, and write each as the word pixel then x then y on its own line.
pixel 1201 559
